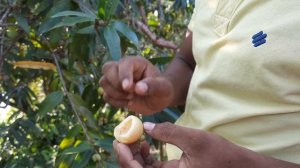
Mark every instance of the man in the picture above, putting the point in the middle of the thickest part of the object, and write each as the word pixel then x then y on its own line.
pixel 239 72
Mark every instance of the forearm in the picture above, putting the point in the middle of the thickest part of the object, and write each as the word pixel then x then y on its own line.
pixel 249 159
pixel 271 162
pixel 180 71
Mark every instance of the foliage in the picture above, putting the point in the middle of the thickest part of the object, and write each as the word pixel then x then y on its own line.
pixel 59 118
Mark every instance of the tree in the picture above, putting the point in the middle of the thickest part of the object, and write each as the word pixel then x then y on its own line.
pixel 51 54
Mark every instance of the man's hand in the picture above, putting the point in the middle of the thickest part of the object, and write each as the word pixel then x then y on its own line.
pixel 135 83
pixel 200 150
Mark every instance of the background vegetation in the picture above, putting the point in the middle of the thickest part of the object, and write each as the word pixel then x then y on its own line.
pixel 58 117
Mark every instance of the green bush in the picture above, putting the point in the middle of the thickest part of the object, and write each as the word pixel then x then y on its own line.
pixel 58 116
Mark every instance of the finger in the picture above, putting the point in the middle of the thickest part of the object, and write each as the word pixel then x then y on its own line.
pixel 125 157
pixel 131 69
pixel 144 149
pixel 113 92
pixel 108 65
pixel 137 105
pixel 115 102
pixel 145 153
pixel 167 164
pixel 134 147
pixel 154 86
pixel 110 72
pixel 176 135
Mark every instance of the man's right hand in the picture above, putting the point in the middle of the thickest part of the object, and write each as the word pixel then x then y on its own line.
pixel 134 83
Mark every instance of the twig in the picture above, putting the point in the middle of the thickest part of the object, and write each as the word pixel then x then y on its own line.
pixel 6 13
pixel 1 53
pixel 142 25
pixel 143 13
pixel 156 41
pixel 7 24
pixel 4 53
pixel 65 90
pixel 161 13
pixel 3 18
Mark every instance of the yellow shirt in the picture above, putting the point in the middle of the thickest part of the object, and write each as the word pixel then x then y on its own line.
pixel 249 95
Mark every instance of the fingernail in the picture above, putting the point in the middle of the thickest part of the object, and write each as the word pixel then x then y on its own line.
pixel 125 84
pixel 142 86
pixel 148 126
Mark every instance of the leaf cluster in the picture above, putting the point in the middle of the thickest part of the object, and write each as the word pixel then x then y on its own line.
pixel 58 118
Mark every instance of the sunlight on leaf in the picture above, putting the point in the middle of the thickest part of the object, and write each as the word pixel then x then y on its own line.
pixel 66 142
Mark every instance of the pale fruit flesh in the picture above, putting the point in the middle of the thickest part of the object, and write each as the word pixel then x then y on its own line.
pixel 129 130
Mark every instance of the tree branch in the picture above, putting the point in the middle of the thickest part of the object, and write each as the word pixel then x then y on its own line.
pixel 161 13
pixel 5 15
pixel 65 90
pixel 2 55
pixel 7 24
pixel 152 36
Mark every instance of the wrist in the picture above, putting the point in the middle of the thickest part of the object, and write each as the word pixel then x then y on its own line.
pixel 171 86
pixel 249 159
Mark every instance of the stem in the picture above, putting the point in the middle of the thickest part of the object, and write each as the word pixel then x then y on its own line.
pixel 8 24
pixel 161 151
pixel 152 36
pixel 3 18
pixel 5 15
pixel 65 90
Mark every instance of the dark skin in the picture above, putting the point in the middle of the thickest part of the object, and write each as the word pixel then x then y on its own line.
pixel 203 150
pixel 135 83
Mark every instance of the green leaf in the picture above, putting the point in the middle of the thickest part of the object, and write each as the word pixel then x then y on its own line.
pixel 69 21
pixel 107 8
pixel 59 6
pixel 48 24
pixel 74 131
pixel 113 42
pixel 160 60
pixel 85 112
pixel 112 164
pixel 77 100
pixel 127 32
pixel 87 30
pixel 89 96
pixel 105 144
pixel 80 106
pixel 111 7
pixel 18 135
pixel 85 7
pixel 23 23
pixel 43 6
pixel 82 159
pixel 30 126
pixel 50 102
pixel 83 146
pixel 74 13
pixel 66 142
pixel 79 48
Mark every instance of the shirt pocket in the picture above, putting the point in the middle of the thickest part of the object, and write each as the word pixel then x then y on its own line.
pixel 223 15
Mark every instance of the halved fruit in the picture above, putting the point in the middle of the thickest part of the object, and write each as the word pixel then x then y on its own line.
pixel 129 130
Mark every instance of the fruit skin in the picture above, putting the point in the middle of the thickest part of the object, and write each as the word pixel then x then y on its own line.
pixel 96 157
pixel 129 130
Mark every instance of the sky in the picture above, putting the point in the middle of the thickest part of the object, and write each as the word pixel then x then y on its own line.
pixel 3 112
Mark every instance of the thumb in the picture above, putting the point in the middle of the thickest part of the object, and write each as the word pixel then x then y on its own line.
pixel 156 86
pixel 179 136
